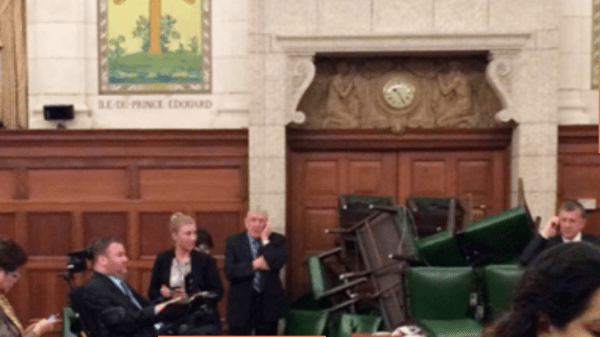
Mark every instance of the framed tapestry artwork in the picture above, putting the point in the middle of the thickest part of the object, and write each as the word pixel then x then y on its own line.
pixel 154 46
pixel 595 42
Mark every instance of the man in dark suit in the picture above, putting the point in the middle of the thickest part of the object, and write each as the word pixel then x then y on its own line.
pixel 253 260
pixel 566 227
pixel 116 307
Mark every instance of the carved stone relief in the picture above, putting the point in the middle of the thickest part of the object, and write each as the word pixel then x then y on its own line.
pixel 400 92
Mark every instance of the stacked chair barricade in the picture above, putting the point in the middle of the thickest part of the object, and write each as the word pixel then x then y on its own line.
pixel 426 264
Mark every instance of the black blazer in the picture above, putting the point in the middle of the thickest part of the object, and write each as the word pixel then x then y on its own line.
pixel 239 272
pixel 539 244
pixel 115 311
pixel 205 276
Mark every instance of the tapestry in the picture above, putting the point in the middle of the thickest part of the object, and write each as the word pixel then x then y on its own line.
pixel 154 46
pixel 595 42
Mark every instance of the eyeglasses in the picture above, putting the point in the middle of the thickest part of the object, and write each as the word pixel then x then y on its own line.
pixel 14 274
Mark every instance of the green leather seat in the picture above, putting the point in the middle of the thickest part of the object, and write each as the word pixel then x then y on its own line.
pixel 354 323
pixel 498 238
pixel 499 284
pixel 456 328
pixel 300 322
pixel 439 300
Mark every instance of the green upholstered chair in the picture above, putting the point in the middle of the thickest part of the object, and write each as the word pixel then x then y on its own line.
pixel 352 208
pixel 321 284
pixel 354 323
pixel 499 284
pixel 441 249
pixel 300 322
pixel 308 302
pixel 438 249
pixel 498 238
pixel 439 300
pixel 69 319
pixel 433 214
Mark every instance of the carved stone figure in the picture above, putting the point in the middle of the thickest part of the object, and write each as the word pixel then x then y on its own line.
pixel 452 102
pixel 343 103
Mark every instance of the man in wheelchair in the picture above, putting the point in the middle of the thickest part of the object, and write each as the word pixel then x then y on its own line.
pixel 108 307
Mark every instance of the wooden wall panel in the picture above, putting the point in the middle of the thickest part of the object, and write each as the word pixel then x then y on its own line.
pixel 428 177
pixel 73 185
pixel 7 184
pixel 316 221
pixel 7 224
pixel 49 234
pixel 96 224
pixel 321 177
pixel 219 225
pixel 191 184
pixel 579 169
pixel 155 235
pixel 44 287
pixel 58 189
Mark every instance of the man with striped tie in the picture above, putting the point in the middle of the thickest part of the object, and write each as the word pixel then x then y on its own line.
pixel 117 308
pixel 253 260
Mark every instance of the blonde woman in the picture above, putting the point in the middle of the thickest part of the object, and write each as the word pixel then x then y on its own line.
pixel 183 265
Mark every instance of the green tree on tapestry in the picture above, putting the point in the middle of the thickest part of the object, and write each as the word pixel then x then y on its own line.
pixel 115 50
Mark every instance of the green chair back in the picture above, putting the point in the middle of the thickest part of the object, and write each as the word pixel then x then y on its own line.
pixel 498 238
pixel 439 293
pixel 319 282
pixel 441 250
pixel 354 323
pixel 353 208
pixel 308 302
pixel 499 285
pixel 408 233
pixel 68 318
pixel 300 322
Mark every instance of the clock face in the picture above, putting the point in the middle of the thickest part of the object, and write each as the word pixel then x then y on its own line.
pixel 398 92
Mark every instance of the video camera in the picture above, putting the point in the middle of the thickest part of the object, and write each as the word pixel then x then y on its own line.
pixel 76 262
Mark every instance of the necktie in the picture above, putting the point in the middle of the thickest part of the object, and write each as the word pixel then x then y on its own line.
pixel 129 294
pixel 8 311
pixel 257 280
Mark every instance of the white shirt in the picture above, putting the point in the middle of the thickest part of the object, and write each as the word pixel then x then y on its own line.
pixel 577 238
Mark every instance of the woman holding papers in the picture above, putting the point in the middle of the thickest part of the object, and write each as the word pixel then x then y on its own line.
pixel 185 272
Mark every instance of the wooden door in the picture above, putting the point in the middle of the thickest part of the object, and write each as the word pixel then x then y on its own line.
pixel 323 164
pixel 317 180
pixel 478 175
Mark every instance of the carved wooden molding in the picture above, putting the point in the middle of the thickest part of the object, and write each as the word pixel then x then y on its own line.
pixel 93 143
pixel 578 139
pixel 358 140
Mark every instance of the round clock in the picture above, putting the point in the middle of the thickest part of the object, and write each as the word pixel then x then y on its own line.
pixel 398 92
